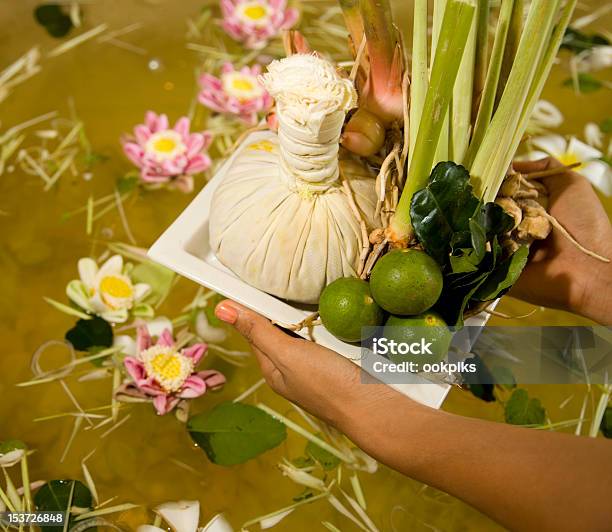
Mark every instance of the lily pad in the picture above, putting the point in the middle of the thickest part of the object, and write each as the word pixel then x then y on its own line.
pixel 88 334
pixel 523 410
pixel 233 433
pixel 53 19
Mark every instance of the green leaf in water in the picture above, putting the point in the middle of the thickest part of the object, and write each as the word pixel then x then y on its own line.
pixel 606 125
pixel 586 83
pixel 53 19
pixel 156 276
pixel 523 410
pixel 8 446
pixel 606 422
pixel 577 41
pixel 327 460
pixel 87 334
pixel 127 183
pixel 54 496
pixel 233 433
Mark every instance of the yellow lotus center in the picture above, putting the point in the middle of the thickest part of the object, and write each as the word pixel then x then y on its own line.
pixel 255 11
pixel 242 84
pixel 167 366
pixel 568 158
pixel 164 144
pixel 115 286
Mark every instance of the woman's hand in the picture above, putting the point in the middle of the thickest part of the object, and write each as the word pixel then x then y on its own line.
pixel 558 274
pixel 314 377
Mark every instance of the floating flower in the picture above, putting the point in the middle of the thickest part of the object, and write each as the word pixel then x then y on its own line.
pixel 544 116
pixel 108 291
pixel 237 92
pixel 11 452
pixel 575 151
pixel 165 155
pixel 184 516
pixel 166 374
pixel 254 22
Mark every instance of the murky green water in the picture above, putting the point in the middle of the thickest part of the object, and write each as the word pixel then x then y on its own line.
pixel 144 460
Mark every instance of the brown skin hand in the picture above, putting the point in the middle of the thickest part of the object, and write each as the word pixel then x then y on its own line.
pixel 523 478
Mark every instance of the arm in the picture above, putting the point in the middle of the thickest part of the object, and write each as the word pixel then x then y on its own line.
pixel 525 479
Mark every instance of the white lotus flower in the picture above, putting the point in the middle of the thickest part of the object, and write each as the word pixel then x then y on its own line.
pixel 544 116
pixel 182 516
pixel 575 151
pixel 11 458
pixel 108 291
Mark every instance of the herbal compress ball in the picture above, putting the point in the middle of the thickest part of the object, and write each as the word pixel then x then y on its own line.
pixel 281 219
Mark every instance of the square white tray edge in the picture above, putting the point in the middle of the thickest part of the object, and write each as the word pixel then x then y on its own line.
pixel 184 248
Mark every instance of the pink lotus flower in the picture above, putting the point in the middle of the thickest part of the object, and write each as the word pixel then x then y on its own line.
pixel 237 92
pixel 166 374
pixel 165 155
pixel 254 22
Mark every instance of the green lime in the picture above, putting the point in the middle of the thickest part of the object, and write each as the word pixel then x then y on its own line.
pixel 427 333
pixel 406 282
pixel 346 305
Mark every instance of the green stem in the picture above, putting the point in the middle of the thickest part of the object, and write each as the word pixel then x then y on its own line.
pixel 493 157
pixel 378 28
pixel 420 74
pixel 461 105
pixel 453 38
pixel 487 100
pixel 442 147
pixel 511 47
pixel 482 53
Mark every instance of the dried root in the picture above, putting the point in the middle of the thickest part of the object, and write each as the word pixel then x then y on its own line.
pixel 526 201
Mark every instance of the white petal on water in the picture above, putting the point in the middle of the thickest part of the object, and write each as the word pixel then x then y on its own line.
pixel 157 325
pixel 126 343
pixel 182 516
pixel 593 135
pixel 273 521
pixel 217 524
pixel 554 145
pixel 546 114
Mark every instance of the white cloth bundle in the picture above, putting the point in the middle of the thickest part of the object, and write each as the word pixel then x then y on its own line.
pixel 281 220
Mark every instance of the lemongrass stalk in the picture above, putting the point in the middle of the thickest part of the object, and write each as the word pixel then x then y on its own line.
pixel 491 162
pixel 461 104
pixel 487 99
pixel 512 42
pixel 452 41
pixel 482 52
pixel 353 20
pixel 542 75
pixel 378 28
pixel 420 74
pixel 438 16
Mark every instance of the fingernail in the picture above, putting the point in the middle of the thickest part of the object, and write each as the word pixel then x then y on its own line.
pixel 226 313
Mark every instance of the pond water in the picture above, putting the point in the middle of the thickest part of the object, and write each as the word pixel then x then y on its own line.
pixel 151 459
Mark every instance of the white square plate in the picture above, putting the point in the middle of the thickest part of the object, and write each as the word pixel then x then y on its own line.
pixel 184 247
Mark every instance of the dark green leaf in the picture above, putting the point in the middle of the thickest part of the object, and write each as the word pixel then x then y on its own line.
pixel 307 493
pixel 485 392
pixel 53 19
pixel 443 208
pixel 480 382
pixel 577 42
pixel 327 460
pixel 232 433
pixel 302 461
pixel 209 310
pixel 96 332
pixel 54 496
pixel 523 410
pixel 606 423
pixel 503 276
pixel 586 83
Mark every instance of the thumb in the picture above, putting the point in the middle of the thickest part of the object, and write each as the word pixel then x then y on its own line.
pixel 256 329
